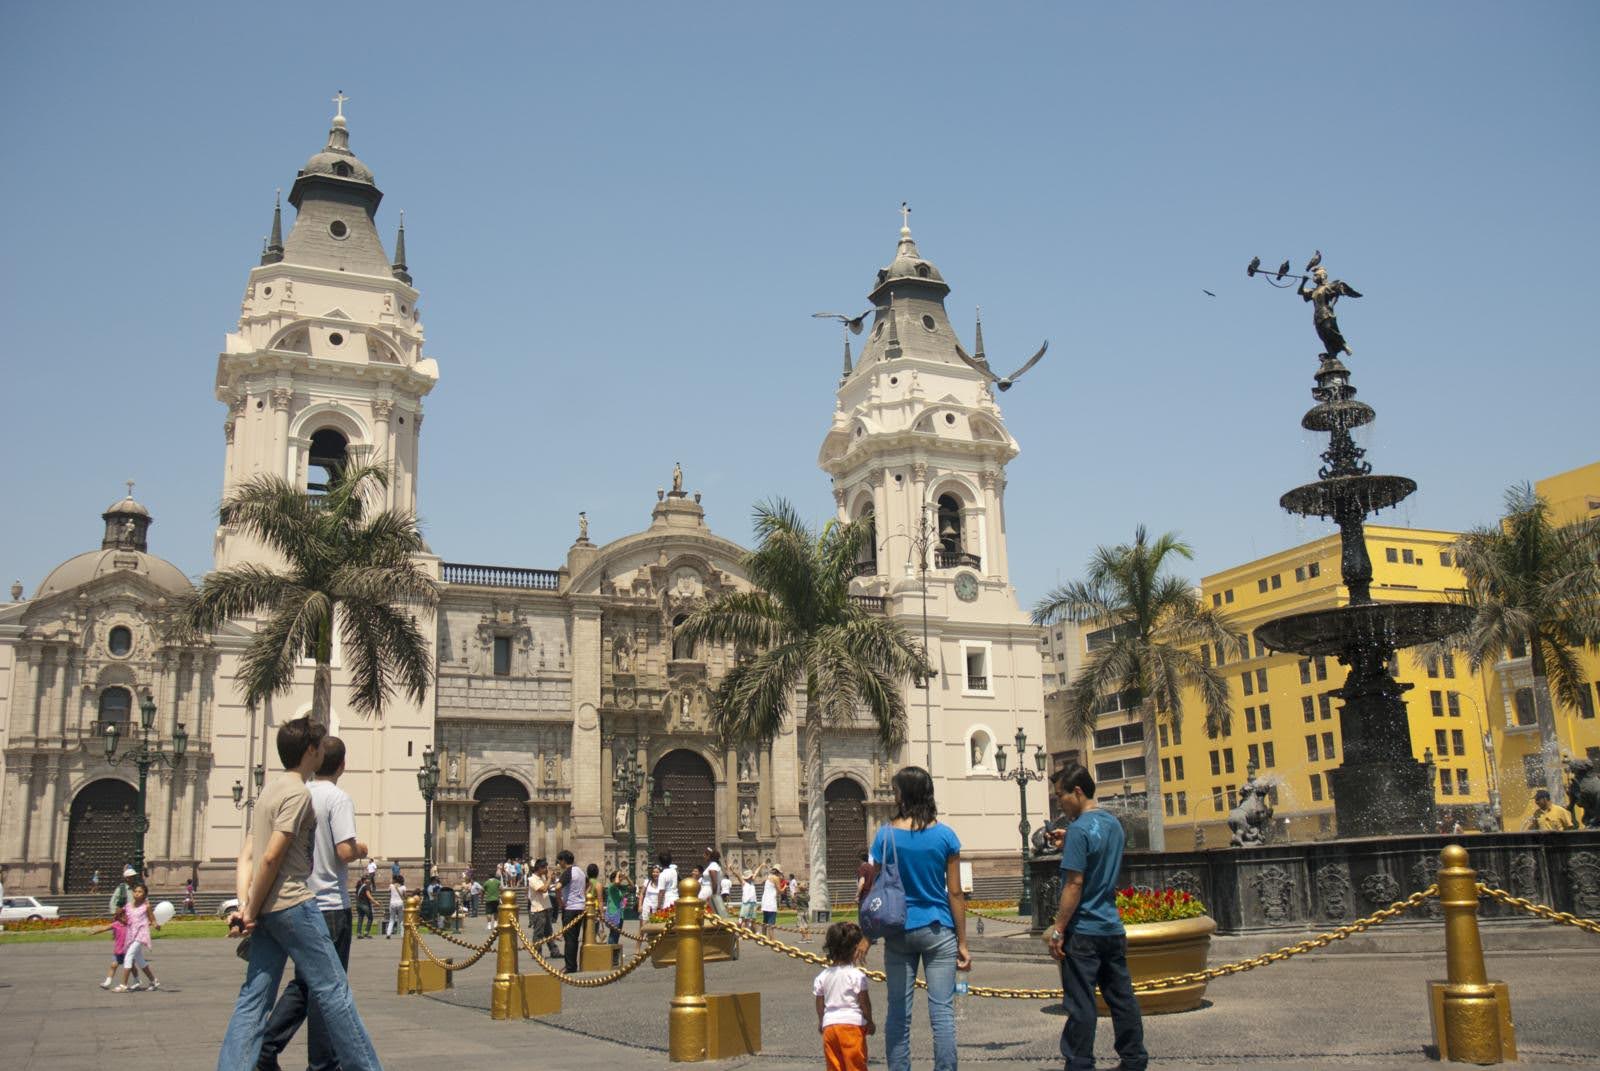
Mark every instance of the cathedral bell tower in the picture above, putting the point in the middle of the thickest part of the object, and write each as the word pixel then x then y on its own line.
pixel 326 365
pixel 918 444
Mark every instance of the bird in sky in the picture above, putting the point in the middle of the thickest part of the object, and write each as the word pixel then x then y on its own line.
pixel 981 366
pixel 1206 292
pixel 1316 258
pixel 854 323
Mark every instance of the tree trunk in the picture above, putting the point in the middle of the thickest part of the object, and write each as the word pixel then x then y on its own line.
pixel 1544 715
pixel 322 680
pixel 1155 816
pixel 816 814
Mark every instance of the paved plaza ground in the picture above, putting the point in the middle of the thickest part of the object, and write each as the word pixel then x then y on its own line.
pixel 1321 1010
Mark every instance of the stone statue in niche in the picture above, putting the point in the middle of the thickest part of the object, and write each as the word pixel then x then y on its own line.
pixel 550 769
pixel 747 815
pixel 977 751
pixel 621 822
pixel 686 718
pixel 455 769
pixel 747 766
pixel 622 653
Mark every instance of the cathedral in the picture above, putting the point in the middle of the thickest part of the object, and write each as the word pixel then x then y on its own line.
pixel 552 684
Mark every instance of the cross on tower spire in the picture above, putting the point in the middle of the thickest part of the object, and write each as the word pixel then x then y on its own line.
pixel 338 101
pixel 130 487
pixel 905 216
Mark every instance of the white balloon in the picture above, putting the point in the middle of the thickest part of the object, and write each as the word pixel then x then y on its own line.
pixel 164 912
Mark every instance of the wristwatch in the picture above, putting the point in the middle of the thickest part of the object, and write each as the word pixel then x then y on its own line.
pixel 1055 935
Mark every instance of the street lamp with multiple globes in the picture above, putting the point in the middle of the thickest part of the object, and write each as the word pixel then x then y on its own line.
pixel 1490 768
pixel 241 802
pixel 428 785
pixel 627 785
pixel 1022 775
pixel 145 755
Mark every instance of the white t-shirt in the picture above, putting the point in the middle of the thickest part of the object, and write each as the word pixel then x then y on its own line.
pixel 711 878
pixel 538 895
pixel 840 987
pixel 397 896
pixel 726 887
pixel 747 893
pixel 705 890
pixel 652 898
pixel 769 896
pixel 336 823
pixel 667 886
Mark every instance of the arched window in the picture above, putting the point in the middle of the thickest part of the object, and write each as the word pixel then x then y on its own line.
pixel 950 534
pixel 116 706
pixel 867 556
pixel 329 452
pixel 682 648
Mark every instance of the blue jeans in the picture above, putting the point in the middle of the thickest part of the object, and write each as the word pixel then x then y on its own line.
pixel 297 933
pixel 1092 960
pixel 934 947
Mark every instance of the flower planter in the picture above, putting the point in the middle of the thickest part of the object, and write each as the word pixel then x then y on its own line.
pixel 1162 949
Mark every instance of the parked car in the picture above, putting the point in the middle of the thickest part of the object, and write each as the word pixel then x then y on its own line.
pixel 26 909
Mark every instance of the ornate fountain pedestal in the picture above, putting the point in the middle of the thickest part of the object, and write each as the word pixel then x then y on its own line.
pixel 1380 788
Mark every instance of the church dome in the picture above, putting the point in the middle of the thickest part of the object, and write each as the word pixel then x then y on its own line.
pixel 127 505
pixel 340 165
pixel 908 266
pixel 80 570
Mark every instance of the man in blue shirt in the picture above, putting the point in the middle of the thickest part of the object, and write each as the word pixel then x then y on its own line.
pixel 1087 938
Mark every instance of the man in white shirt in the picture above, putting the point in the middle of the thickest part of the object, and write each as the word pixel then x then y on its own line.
pixel 667 883
pixel 334 846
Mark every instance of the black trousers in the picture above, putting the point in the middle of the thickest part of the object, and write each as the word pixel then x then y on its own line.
pixel 1099 961
pixel 574 935
pixel 294 1007
pixel 364 919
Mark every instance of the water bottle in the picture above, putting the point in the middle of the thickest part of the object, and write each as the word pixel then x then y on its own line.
pixel 962 986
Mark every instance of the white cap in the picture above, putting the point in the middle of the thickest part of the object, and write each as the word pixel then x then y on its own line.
pixel 129 872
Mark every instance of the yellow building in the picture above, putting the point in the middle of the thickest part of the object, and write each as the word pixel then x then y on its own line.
pixel 1573 496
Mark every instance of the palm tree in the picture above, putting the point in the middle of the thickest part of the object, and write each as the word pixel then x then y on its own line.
pixel 345 564
pixel 1159 629
pixel 1534 585
pixel 804 631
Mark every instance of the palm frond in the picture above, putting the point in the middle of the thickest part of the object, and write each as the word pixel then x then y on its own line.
pixel 239 591
pixel 384 649
pixel 280 515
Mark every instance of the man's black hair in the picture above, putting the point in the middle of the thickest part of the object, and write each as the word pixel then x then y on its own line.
pixel 332 756
pixel 665 859
pixel 564 856
pixel 1073 775
pixel 297 737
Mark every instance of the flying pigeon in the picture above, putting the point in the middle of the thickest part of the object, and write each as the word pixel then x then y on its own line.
pixel 1316 258
pixel 1206 292
pixel 854 323
pixel 1002 382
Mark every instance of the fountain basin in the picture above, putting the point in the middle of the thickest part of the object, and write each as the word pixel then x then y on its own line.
pixel 1326 498
pixel 1374 624
pixel 1343 413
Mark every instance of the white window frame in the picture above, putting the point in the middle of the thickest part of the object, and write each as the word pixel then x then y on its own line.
pixel 987 647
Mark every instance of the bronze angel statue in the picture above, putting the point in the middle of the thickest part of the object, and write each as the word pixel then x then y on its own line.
pixel 1323 296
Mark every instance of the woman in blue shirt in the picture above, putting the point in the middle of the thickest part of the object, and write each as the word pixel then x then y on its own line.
pixel 929 859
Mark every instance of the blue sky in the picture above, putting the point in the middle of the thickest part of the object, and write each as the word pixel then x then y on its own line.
pixel 622 216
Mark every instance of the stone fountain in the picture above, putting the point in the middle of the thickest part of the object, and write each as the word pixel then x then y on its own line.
pixel 1386 845
pixel 1380 788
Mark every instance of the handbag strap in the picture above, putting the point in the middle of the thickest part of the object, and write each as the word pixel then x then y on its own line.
pixel 893 850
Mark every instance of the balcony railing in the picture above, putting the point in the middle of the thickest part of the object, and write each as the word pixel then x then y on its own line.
pixel 977 684
pixel 502 576
pixel 872 604
pixel 952 559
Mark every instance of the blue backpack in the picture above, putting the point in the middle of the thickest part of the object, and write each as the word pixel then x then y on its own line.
pixel 883 912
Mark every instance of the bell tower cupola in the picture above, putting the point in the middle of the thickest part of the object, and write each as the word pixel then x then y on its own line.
pixel 326 366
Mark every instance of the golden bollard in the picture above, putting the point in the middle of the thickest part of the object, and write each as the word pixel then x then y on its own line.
pixel 686 1022
pixel 591 917
pixel 1471 1015
pixel 505 1001
pixel 409 978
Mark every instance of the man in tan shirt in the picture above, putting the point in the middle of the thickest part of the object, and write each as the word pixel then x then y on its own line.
pixel 279 913
pixel 1549 817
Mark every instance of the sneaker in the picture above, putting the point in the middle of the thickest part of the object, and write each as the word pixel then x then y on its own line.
pixel 155 985
pixel 135 987
pixel 120 989
pixel 106 984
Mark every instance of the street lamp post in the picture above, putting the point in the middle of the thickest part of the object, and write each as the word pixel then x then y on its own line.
pixel 1022 775
pixel 145 754
pixel 626 786
pixel 428 785
pixel 922 542
pixel 243 802
pixel 1490 766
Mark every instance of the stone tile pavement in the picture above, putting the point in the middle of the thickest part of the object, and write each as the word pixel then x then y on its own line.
pixel 1315 1011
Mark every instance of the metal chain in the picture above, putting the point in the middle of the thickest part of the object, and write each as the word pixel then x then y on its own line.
pixel 592 983
pixel 1000 918
pixel 1541 910
pixel 453 939
pixel 1399 907
pixel 449 965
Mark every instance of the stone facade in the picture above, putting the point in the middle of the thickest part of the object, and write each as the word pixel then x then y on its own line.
pixel 548 681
